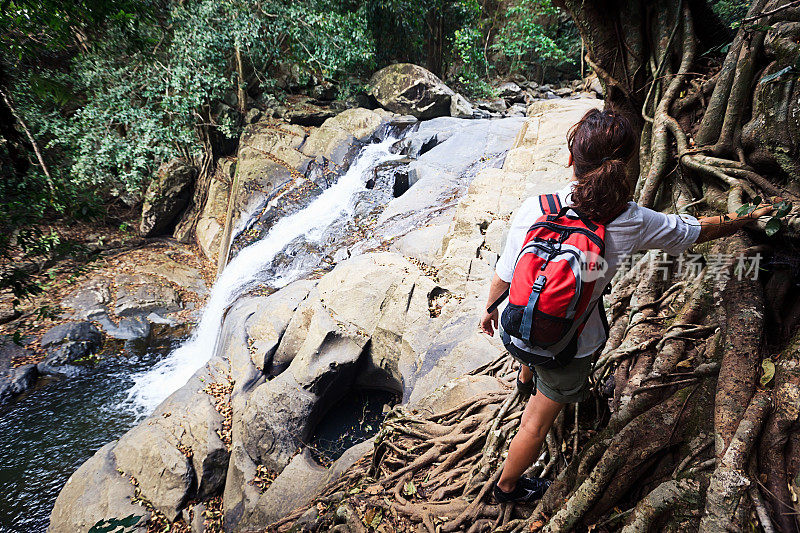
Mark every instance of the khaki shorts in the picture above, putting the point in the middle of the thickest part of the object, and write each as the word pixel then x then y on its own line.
pixel 569 384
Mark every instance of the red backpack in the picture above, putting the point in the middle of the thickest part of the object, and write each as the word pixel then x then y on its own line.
pixel 551 289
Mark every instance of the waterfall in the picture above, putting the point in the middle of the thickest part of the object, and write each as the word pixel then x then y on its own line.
pixel 246 271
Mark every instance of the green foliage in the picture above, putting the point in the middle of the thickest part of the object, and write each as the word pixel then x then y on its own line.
pixel 468 51
pixel 730 12
pixel 525 38
pixel 150 85
pixel 117 525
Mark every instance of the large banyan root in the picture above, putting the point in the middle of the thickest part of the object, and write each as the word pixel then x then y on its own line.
pixel 686 414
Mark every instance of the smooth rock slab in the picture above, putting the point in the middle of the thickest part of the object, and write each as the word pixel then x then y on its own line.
pixel 142 294
pixel 96 491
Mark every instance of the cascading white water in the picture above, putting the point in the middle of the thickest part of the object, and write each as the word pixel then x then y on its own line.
pixel 245 271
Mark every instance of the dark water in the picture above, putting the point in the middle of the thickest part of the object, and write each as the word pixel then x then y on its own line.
pixel 355 418
pixel 50 431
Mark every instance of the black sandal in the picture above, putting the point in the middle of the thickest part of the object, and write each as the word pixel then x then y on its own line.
pixel 525 389
pixel 527 490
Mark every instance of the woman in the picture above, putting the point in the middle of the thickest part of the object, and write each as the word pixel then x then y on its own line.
pixel 600 146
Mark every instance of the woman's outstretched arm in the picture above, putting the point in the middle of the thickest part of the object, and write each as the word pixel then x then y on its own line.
pixel 723 225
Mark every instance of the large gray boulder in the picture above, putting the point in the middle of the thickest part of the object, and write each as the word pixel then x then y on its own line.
pixel 166 197
pixel 271 423
pixel 68 346
pixel 411 90
pixel 95 492
pixel 339 137
pixel 253 328
pixel 177 452
pixel 17 380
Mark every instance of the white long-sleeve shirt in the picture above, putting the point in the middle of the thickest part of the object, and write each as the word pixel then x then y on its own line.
pixel 637 228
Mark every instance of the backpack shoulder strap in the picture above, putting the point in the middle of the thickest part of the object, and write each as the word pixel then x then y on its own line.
pixel 550 204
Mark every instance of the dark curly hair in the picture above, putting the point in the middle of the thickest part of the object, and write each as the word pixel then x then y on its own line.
pixel 601 144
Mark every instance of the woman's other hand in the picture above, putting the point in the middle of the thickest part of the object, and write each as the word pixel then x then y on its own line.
pixel 489 322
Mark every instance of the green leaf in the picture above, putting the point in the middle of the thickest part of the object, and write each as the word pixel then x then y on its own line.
pixel 745 210
pixel 769 371
pixel 773 226
pixel 409 488
pixel 782 208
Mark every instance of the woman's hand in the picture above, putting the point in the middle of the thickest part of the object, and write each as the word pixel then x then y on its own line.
pixel 489 323
pixel 762 210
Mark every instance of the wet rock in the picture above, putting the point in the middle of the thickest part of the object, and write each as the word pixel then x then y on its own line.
pixel 166 197
pixel 419 142
pixel 96 491
pixel 15 381
pixel 68 348
pixel 69 360
pixel 460 107
pixel 141 295
pixel 442 172
pixel 253 328
pixel 135 327
pixel 269 156
pixel 410 89
pixel 177 453
pixel 71 332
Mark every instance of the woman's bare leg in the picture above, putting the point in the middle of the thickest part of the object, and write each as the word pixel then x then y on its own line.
pixel 539 415
pixel 526 374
